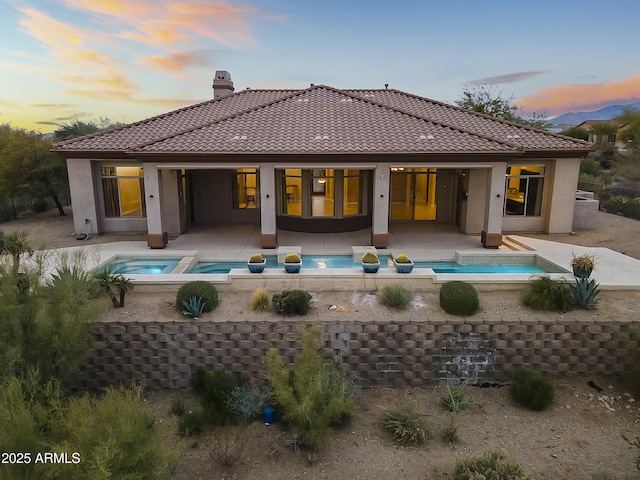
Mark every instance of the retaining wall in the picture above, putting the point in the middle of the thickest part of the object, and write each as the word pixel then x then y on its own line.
pixel 162 355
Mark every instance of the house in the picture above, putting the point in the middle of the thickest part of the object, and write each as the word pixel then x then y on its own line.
pixel 322 159
pixel 598 129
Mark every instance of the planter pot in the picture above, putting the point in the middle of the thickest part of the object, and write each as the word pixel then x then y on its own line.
pixel 257 267
pixel 293 267
pixel 370 267
pixel 403 267
pixel 581 272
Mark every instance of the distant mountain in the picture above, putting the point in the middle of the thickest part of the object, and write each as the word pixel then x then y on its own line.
pixel 606 113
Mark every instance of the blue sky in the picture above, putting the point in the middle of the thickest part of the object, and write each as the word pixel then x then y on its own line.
pixel 129 60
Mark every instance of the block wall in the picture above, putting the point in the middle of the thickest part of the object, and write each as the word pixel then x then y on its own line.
pixel 162 355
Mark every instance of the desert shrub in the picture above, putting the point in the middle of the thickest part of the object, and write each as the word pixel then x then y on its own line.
pixel 405 423
pixel 629 207
pixel 531 389
pixel 48 324
pixel 249 400
pixel 292 302
pixel 314 395
pixel 492 464
pixel 585 293
pixel 459 298
pixel 114 435
pixel 454 399
pixel 191 424
pixel 199 289
pixel 395 296
pixel 545 293
pixel 193 308
pixel 449 433
pixel 177 407
pixel 227 445
pixel 214 387
pixel 260 300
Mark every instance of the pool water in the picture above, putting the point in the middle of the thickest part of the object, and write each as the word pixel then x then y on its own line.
pixel 346 261
pixel 144 265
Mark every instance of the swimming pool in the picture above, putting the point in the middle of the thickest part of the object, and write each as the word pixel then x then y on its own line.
pixel 135 265
pixel 346 261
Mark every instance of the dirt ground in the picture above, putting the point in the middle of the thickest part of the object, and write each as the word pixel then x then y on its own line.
pixel 578 436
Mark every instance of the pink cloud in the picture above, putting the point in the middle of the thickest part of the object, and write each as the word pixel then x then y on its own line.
pixel 163 22
pixel 582 97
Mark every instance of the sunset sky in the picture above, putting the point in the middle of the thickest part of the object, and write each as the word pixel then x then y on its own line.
pixel 127 60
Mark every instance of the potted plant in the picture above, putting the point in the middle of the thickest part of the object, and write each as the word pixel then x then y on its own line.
pixel 292 263
pixel 256 263
pixel 370 262
pixel 582 264
pixel 403 263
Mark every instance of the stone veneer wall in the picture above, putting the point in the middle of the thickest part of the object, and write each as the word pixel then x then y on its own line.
pixel 394 354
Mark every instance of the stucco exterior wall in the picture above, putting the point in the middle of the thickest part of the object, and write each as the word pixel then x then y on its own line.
pixel 83 198
pixel 476 201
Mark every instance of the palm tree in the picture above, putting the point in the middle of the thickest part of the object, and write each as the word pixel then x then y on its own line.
pixel 116 285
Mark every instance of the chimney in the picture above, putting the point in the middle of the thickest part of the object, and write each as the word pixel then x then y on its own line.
pixel 222 84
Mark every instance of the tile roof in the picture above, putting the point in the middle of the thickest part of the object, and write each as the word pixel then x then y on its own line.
pixel 321 119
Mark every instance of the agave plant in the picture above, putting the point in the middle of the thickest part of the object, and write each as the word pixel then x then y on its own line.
pixel 585 293
pixel 194 307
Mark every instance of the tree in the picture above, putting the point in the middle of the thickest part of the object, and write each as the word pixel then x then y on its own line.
pixel 487 99
pixel 629 119
pixel 78 128
pixel 576 132
pixel 28 167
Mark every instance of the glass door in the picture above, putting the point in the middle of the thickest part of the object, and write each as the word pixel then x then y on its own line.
pixel 413 194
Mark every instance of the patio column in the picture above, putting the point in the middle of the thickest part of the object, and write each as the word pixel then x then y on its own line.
pixel 380 223
pixel 268 234
pixel 156 236
pixel 491 236
pixel 563 185
pixel 83 197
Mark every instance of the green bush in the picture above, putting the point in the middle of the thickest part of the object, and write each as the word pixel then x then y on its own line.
pixel 405 423
pixel 248 400
pixel 629 207
pixel 198 289
pixel 260 300
pixel 314 396
pixel 191 424
pixel 545 293
pixel 214 387
pixel 48 324
pixel 531 390
pixel 395 296
pixel 177 407
pixel 491 465
pixel 449 433
pixel 454 399
pixel 113 435
pixel 292 302
pixel 459 298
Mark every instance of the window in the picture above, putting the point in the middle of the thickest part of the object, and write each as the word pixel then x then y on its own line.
pixel 292 195
pixel 123 189
pixel 352 193
pixel 323 193
pixel 245 188
pixel 523 190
